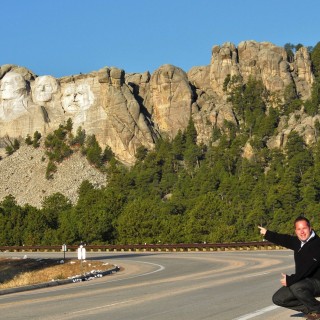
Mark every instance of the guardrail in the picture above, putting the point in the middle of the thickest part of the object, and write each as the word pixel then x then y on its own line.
pixel 258 245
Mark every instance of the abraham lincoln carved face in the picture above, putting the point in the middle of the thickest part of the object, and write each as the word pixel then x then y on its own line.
pixel 77 98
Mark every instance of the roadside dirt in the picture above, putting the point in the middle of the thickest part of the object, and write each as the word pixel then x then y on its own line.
pixel 20 272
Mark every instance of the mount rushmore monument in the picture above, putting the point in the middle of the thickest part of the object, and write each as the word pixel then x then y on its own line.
pixel 126 111
pixel 99 102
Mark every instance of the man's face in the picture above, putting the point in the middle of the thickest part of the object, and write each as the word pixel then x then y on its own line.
pixel 303 231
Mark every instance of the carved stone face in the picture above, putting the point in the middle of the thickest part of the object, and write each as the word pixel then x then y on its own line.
pixel 44 87
pixel 77 98
pixel 13 86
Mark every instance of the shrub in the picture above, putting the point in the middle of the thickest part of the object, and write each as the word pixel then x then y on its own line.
pixel 51 168
pixel 28 140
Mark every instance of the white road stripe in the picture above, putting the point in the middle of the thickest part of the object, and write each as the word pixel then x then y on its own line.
pixel 256 274
pixel 160 268
pixel 101 307
pixel 257 313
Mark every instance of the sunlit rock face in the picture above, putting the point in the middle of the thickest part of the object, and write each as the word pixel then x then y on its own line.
pixel 262 61
pixel 224 62
pixel 171 98
pixel 80 101
pixel 99 102
pixel 127 111
pixel 18 113
pixel 44 88
pixel 46 93
pixel 14 94
pixel 210 109
pixel 266 62
pixel 303 76
pixel 127 127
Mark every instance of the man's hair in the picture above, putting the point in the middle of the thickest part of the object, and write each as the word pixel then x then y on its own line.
pixel 302 218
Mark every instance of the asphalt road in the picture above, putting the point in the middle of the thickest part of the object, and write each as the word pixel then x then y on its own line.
pixel 232 285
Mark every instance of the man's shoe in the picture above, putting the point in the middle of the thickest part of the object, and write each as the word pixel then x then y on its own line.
pixel 313 316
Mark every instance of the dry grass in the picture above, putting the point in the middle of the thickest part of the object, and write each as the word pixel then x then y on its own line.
pixel 22 272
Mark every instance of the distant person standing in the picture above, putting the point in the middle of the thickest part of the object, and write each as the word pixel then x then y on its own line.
pixel 299 290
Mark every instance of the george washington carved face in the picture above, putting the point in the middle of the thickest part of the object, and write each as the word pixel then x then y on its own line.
pixel 13 86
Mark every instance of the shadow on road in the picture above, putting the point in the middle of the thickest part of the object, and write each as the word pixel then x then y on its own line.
pixel 298 315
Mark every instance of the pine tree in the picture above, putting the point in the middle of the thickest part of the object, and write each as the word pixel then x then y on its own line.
pixel 93 151
pixel 315 58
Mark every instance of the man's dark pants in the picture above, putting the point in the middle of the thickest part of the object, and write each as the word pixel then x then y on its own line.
pixel 299 296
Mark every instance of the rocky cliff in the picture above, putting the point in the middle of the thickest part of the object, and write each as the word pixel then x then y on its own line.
pixel 126 111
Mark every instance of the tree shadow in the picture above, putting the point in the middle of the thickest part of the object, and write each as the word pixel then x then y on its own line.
pixel 298 315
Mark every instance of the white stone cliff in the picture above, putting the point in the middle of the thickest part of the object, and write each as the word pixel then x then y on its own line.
pixel 126 111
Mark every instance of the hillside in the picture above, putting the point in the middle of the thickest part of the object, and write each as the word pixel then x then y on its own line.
pixel 23 176
pixel 256 91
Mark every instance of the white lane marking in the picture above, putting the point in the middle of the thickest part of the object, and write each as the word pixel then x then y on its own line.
pixel 257 313
pixel 256 274
pixel 161 267
pixel 101 307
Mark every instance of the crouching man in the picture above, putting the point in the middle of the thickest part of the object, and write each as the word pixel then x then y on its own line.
pixel 299 290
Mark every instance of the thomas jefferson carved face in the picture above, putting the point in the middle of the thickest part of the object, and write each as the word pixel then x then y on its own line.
pixel 77 98
pixel 13 86
pixel 44 87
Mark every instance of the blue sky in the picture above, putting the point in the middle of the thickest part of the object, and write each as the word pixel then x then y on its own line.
pixel 65 37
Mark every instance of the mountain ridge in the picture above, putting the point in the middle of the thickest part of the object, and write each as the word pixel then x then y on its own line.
pixel 129 111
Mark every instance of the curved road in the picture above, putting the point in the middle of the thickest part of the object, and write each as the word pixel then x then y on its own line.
pixel 231 285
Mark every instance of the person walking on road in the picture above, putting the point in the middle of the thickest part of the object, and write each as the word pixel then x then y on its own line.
pixel 299 290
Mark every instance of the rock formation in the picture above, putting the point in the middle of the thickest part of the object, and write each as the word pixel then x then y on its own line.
pixel 171 99
pixel 126 111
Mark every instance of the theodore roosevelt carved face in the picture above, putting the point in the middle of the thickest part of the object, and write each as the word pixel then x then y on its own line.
pixel 77 98
pixel 43 88
pixel 13 86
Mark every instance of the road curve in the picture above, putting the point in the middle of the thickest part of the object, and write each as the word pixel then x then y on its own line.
pixel 231 285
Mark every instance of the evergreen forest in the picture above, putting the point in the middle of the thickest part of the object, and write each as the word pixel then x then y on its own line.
pixel 183 191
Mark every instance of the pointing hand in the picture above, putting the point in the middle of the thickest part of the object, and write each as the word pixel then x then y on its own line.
pixel 262 230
